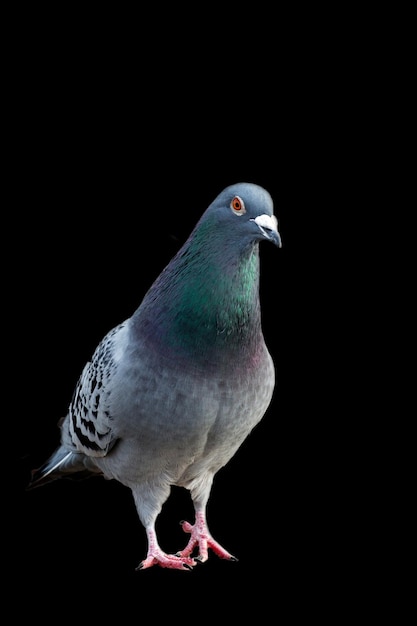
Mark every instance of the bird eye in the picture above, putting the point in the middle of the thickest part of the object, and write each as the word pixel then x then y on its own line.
pixel 238 206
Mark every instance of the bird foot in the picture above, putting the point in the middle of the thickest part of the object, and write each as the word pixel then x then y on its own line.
pixel 171 561
pixel 201 537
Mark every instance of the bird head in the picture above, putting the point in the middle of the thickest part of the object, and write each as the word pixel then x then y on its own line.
pixel 245 212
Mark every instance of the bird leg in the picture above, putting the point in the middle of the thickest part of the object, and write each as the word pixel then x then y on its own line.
pixel 156 556
pixel 201 537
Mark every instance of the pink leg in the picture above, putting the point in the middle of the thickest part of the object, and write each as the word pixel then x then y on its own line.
pixel 201 537
pixel 156 556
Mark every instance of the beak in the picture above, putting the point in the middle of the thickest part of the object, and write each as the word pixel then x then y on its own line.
pixel 268 225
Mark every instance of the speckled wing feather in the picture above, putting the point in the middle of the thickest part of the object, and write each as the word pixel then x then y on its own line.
pixel 90 420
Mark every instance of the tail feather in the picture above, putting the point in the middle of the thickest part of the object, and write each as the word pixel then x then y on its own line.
pixel 62 464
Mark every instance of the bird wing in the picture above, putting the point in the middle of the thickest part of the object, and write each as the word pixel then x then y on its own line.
pixel 90 417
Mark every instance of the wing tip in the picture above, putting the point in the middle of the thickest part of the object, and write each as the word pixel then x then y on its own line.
pixel 49 471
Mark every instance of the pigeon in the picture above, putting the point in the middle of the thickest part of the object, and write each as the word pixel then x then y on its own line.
pixel 171 393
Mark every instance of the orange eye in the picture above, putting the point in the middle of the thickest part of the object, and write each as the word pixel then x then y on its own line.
pixel 237 205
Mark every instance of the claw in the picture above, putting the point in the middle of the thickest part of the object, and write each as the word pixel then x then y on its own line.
pixel 169 561
pixel 156 556
pixel 201 538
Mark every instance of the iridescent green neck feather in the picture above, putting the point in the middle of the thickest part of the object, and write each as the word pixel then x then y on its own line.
pixel 206 301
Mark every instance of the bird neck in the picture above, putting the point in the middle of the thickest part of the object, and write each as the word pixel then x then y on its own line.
pixel 205 303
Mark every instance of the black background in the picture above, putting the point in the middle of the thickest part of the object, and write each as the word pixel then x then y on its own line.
pixel 109 166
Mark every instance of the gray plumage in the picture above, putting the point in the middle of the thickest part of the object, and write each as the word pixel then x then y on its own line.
pixel 172 392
